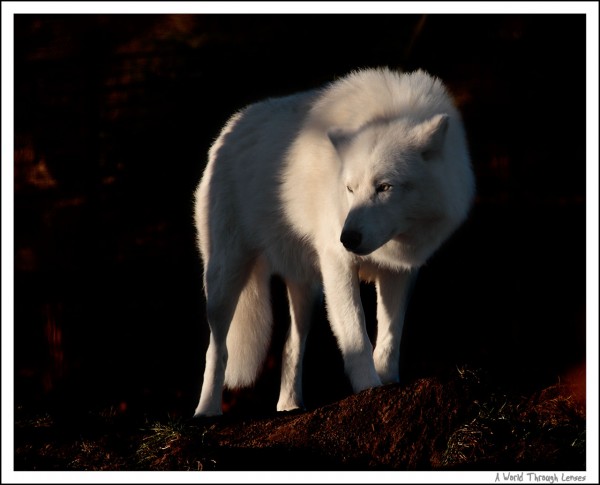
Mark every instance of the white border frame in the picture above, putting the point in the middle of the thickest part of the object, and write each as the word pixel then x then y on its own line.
pixel 9 9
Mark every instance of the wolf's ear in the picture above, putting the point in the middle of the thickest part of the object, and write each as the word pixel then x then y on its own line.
pixel 432 134
pixel 340 138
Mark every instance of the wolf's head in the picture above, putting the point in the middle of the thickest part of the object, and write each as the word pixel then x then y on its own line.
pixel 407 185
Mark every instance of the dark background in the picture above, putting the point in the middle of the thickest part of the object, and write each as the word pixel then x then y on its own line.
pixel 114 115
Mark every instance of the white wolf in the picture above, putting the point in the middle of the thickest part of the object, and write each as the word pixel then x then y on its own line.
pixel 363 179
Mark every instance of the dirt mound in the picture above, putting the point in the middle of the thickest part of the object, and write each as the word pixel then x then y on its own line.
pixel 428 425
pixel 459 423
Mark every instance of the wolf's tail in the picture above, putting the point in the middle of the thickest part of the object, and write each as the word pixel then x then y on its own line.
pixel 250 331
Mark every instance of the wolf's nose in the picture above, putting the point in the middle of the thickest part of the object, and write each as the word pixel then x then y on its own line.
pixel 351 239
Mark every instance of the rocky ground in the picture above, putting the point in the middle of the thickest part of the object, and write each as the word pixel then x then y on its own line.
pixel 462 423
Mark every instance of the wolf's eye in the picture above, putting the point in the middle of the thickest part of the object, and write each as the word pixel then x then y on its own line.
pixel 349 189
pixel 382 188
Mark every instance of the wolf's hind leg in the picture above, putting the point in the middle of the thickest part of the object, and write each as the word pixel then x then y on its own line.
pixel 301 297
pixel 223 284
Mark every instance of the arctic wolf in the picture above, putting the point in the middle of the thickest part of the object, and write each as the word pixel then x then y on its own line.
pixel 361 180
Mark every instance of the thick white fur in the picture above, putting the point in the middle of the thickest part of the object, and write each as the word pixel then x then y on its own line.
pixel 377 153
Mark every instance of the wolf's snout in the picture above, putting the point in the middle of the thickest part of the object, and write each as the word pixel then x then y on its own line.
pixel 351 239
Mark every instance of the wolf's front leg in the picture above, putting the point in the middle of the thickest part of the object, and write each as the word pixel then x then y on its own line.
pixel 392 296
pixel 346 316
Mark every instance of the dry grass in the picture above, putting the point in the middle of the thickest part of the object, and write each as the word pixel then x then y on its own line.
pixel 176 445
pixel 548 427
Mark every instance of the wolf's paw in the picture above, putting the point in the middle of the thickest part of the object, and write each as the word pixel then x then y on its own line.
pixel 204 421
pixel 289 405
pixel 389 376
pixel 292 412
pixel 387 367
pixel 207 412
pixel 363 378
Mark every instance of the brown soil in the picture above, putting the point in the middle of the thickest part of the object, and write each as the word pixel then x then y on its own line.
pixel 428 425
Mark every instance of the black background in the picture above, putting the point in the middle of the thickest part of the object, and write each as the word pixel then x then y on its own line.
pixel 114 115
